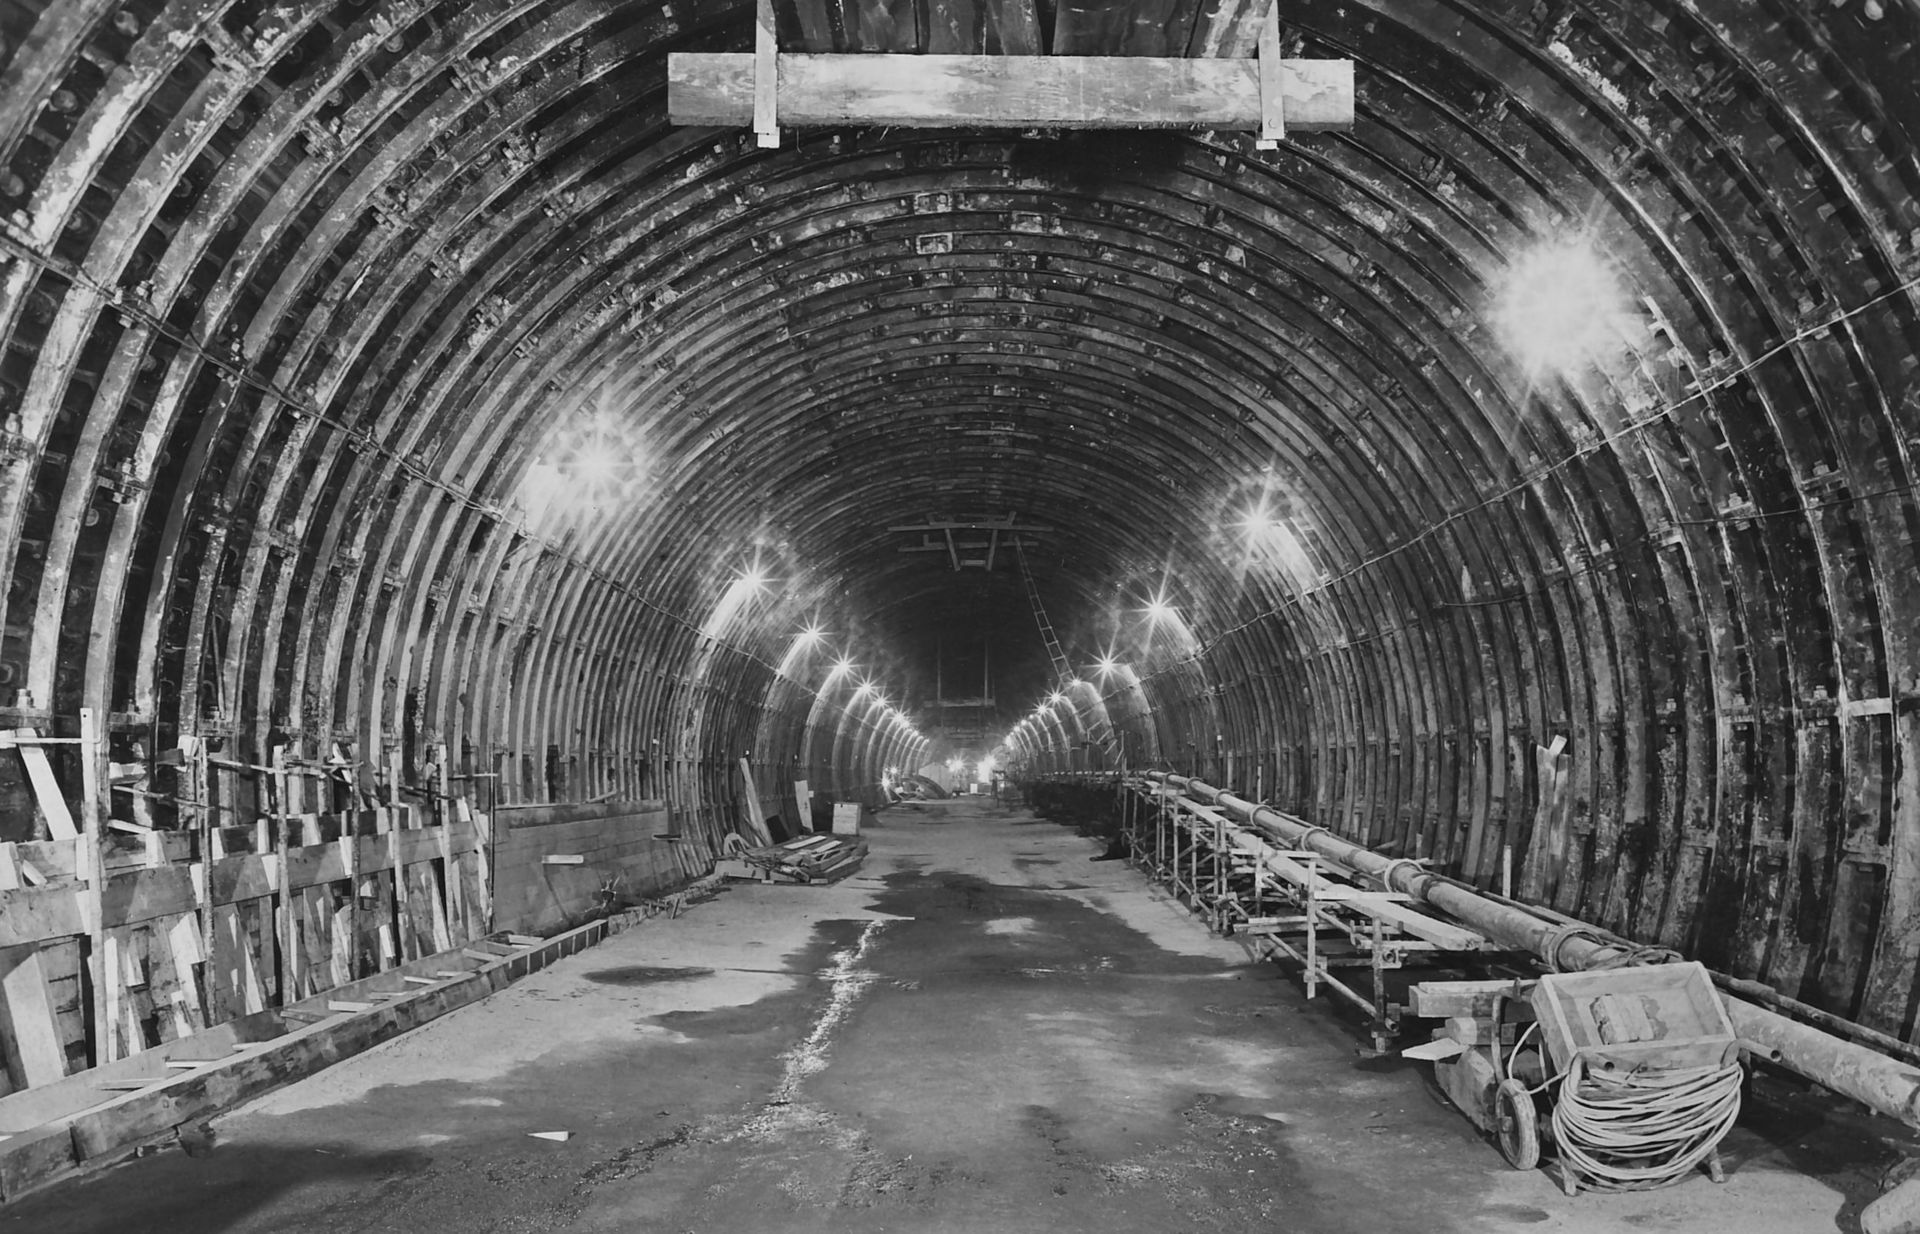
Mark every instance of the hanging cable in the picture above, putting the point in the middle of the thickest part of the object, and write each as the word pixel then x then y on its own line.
pixel 1642 1129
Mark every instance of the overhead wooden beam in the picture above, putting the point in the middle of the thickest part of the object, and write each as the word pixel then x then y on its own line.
pixel 963 545
pixel 966 525
pixel 1113 92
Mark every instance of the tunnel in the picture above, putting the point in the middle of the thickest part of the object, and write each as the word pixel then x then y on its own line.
pixel 392 386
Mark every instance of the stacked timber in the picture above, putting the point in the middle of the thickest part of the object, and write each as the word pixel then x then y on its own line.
pixel 808 859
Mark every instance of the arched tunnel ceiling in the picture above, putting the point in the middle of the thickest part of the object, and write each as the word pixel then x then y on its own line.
pixel 387 369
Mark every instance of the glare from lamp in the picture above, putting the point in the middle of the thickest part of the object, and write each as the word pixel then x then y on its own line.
pixel 1559 307
pixel 1258 521
pixel 595 469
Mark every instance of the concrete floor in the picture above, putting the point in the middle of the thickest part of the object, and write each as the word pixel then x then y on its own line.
pixel 982 1030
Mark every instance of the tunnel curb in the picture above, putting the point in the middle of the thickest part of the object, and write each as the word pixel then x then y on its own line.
pixel 93 1137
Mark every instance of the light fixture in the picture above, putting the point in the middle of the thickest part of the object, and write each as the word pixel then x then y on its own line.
pixel 595 469
pixel 1055 699
pixel 1158 609
pixel 1560 306
pixel 1107 666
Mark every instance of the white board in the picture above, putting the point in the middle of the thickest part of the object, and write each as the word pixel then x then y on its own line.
pixel 846 818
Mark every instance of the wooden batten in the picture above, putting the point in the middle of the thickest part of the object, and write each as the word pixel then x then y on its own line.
pixel 929 91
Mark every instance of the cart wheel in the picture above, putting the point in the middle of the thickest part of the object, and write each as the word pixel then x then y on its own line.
pixel 1515 1125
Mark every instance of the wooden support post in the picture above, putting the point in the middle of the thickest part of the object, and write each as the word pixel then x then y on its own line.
pixel 401 916
pixel 1273 101
pixel 90 864
pixel 346 918
pixel 483 825
pixel 766 77
pixel 199 790
pixel 443 784
pixel 756 817
pixel 285 917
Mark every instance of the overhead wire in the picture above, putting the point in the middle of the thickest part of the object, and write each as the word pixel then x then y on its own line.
pixel 1534 476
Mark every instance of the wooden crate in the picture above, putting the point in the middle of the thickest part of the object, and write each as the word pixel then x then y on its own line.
pixel 1656 1016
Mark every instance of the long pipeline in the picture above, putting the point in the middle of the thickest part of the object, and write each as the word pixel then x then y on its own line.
pixel 1883 1084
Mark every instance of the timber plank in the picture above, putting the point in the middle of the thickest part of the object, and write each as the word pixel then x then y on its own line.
pixel 1011 28
pixel 955 28
pixel 57 860
pixel 1093 27
pixel 315 865
pixel 46 788
pixel 804 25
pixel 30 1158
pixel 1228 28
pixel 142 895
pixel 34 914
pixel 1159 28
pixel 428 842
pixel 158 1108
pixel 879 26
pixel 1009 91
pixel 246 877
pixel 34 1051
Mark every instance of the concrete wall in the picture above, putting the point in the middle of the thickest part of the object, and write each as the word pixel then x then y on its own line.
pixel 620 851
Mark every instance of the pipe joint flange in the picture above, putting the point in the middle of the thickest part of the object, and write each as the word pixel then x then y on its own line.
pixel 1308 835
pixel 1560 937
pixel 1386 875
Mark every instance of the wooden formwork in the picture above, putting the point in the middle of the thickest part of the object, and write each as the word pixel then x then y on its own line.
pixel 117 937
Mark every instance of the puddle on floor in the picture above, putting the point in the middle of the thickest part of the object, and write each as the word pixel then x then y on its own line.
pixel 644 974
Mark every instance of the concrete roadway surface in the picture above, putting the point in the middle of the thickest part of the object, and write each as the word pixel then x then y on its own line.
pixel 982 1030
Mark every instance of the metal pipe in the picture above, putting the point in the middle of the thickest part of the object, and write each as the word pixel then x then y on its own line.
pixel 1885 1085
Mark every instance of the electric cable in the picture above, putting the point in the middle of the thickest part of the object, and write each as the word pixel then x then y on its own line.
pixel 1638 1130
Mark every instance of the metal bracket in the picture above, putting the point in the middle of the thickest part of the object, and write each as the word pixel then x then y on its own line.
pixel 766 77
pixel 1273 111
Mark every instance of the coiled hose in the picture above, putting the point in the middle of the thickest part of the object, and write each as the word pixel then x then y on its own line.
pixel 1639 1130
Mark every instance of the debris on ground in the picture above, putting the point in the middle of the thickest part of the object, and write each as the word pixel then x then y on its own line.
pixel 809 859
